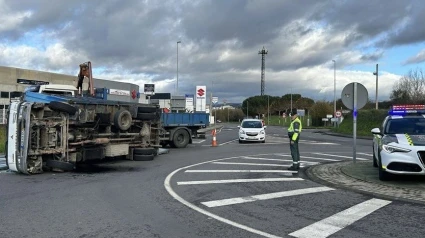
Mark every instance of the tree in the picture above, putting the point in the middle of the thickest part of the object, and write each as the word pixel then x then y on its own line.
pixel 410 88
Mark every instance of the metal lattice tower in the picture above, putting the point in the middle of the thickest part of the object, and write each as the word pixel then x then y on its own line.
pixel 263 53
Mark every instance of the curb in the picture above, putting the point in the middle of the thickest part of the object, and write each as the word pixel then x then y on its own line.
pixel 331 174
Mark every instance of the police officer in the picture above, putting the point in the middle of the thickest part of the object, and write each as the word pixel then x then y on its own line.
pixel 294 131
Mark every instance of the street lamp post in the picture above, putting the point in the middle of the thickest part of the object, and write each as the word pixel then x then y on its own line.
pixel 334 88
pixel 177 86
pixel 376 94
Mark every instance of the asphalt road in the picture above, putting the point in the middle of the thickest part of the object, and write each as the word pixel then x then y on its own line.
pixel 233 190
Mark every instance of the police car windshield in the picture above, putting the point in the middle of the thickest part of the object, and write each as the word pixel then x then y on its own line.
pixel 252 124
pixel 410 126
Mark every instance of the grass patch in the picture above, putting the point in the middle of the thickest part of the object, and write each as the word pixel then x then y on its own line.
pixel 2 138
pixel 366 121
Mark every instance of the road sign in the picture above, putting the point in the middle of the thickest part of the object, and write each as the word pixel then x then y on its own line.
pixel 214 100
pixel 328 116
pixel 338 114
pixel 348 95
pixel 354 96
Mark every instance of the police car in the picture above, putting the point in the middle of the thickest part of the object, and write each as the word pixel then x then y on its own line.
pixel 399 144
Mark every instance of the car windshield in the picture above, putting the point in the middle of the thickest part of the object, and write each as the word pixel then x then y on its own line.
pixel 405 126
pixel 252 124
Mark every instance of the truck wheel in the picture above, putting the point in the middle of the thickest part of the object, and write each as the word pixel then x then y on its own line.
pixel 144 151
pixel 122 119
pixel 146 109
pixel 55 164
pixel 62 107
pixel 147 116
pixel 180 139
pixel 143 157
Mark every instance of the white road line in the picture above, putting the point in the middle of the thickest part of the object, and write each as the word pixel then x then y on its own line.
pixel 332 224
pixel 283 160
pixel 308 157
pixel 197 141
pixel 170 190
pixel 253 164
pixel 364 154
pixel 239 181
pixel 320 143
pixel 228 142
pixel 231 201
pixel 339 156
pixel 240 171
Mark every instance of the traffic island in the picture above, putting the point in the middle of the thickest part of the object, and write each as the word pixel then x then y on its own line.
pixel 363 177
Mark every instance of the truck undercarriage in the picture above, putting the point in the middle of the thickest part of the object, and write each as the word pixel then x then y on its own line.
pixel 60 135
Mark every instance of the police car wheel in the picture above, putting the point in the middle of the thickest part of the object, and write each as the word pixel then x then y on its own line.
pixel 375 164
pixel 382 174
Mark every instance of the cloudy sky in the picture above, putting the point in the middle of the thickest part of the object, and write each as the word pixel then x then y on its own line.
pixel 136 41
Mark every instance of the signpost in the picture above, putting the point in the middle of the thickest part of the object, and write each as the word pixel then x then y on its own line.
pixel 215 101
pixel 354 96
pixel 338 114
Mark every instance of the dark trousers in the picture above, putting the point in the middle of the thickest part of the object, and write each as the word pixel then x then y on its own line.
pixel 295 153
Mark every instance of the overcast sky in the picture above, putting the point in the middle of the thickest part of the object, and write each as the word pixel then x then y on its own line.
pixel 136 41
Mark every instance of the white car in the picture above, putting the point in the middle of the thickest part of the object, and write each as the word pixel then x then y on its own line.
pixel 252 130
pixel 399 145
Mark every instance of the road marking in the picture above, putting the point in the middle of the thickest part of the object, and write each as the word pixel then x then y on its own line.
pixel 253 164
pixel 340 156
pixel 197 141
pixel 332 224
pixel 170 190
pixel 308 157
pixel 228 142
pixel 240 171
pixel 284 160
pixel 364 154
pixel 239 181
pixel 232 201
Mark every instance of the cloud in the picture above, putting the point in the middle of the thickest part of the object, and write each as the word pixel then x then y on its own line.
pixel 135 41
pixel 418 58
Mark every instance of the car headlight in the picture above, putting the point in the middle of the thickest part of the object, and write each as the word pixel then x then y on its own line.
pixel 241 132
pixel 392 149
pixel 262 132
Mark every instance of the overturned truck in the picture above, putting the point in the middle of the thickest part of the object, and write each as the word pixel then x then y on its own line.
pixel 58 132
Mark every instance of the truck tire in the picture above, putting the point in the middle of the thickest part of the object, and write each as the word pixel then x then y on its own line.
pixel 144 151
pixel 143 157
pixel 180 139
pixel 146 109
pixel 55 164
pixel 62 107
pixel 122 119
pixel 147 116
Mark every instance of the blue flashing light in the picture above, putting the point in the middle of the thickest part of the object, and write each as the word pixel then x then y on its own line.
pixel 402 110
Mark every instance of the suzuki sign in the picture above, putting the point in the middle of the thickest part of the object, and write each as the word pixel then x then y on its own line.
pixel 201 98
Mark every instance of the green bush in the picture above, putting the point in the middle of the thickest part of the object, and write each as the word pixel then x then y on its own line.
pixel 366 121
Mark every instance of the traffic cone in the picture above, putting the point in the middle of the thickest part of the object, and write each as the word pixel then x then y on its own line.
pixel 214 140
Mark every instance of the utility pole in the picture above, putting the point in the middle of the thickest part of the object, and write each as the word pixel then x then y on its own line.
pixel 246 109
pixel 376 94
pixel 263 53
pixel 268 109
pixel 177 86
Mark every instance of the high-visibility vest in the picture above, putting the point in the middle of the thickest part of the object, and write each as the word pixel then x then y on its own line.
pixel 294 131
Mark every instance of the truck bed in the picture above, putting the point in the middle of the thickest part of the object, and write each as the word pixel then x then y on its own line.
pixel 184 119
pixel 46 98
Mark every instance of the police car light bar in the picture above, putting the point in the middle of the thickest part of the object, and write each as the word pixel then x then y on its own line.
pixel 407 109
